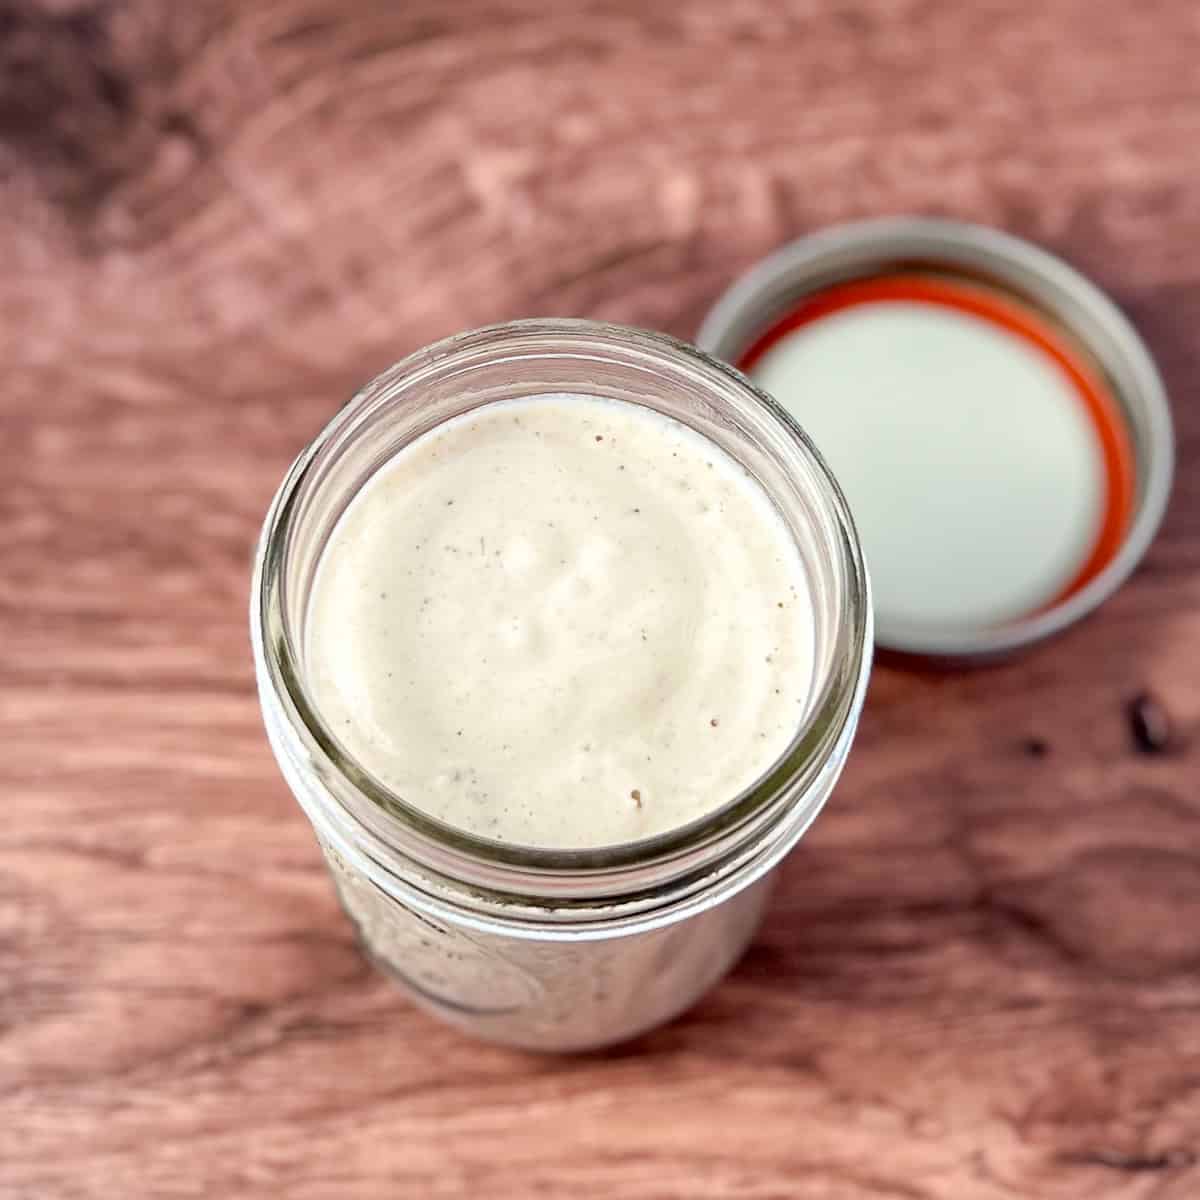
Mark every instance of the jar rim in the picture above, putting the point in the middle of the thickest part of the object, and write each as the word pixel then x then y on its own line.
pixel 443 846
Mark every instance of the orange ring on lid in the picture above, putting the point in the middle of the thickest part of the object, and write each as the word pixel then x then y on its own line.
pixel 1103 410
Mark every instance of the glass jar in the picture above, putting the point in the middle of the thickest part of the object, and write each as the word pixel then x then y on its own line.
pixel 555 950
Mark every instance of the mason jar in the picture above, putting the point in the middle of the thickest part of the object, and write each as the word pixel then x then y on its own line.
pixel 542 948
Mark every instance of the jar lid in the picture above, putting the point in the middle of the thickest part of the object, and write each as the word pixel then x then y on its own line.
pixel 999 428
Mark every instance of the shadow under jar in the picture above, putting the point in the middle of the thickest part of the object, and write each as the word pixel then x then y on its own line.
pixel 543 948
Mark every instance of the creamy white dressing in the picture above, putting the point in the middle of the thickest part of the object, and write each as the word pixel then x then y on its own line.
pixel 562 621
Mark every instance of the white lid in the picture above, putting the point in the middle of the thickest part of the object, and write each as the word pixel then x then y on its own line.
pixel 974 471
pixel 999 429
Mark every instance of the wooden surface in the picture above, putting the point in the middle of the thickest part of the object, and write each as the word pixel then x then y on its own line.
pixel 981 978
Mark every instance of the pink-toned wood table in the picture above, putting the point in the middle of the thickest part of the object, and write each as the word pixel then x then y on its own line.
pixel 981 977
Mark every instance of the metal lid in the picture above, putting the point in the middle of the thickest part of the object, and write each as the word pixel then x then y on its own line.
pixel 1000 429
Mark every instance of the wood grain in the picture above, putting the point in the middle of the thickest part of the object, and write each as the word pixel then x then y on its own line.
pixel 980 978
